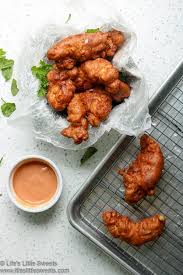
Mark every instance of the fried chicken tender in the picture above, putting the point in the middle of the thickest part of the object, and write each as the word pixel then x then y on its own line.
pixel 77 130
pixel 141 176
pixel 81 47
pixel 59 95
pixel 96 72
pixel 76 109
pixel 135 233
pixel 101 71
pixel 55 76
pixel 93 105
pixel 123 91
pixel 98 106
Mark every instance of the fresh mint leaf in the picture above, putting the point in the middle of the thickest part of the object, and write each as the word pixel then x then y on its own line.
pixel 1 160
pixel 6 63
pixel 41 92
pixel 88 154
pixel 8 108
pixel 40 72
pixel 7 73
pixel 14 88
pixel 92 30
pixel 68 18
pixel 122 77
pixel 2 53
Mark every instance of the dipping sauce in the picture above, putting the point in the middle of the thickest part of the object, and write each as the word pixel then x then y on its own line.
pixel 34 183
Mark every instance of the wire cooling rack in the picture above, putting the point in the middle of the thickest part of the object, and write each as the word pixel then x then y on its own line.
pixel 164 255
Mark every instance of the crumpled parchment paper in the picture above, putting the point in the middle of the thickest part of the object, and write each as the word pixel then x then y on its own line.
pixel 130 117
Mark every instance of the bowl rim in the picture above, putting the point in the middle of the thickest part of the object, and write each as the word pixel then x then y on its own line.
pixel 37 209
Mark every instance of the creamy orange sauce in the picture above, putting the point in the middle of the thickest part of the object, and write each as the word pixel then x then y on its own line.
pixel 34 183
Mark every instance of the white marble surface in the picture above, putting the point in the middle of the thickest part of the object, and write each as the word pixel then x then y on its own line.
pixel 49 236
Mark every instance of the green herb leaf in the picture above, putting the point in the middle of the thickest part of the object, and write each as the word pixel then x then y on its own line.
pixel 88 154
pixel 122 77
pixel 6 65
pixel 68 18
pixel 41 92
pixel 92 30
pixel 2 53
pixel 14 88
pixel 8 108
pixel 1 160
pixel 7 73
pixel 40 72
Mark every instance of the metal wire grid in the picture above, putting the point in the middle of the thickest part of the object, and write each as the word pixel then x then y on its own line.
pixel 165 255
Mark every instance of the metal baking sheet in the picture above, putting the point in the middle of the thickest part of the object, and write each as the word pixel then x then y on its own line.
pixel 104 190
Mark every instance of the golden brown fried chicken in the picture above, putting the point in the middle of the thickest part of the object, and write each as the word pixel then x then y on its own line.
pixel 75 74
pixel 93 105
pixel 59 95
pixel 92 73
pixel 78 131
pixel 55 75
pixel 141 176
pixel 98 106
pixel 66 63
pixel 101 71
pixel 76 109
pixel 122 88
pixel 86 46
pixel 135 233
pixel 124 92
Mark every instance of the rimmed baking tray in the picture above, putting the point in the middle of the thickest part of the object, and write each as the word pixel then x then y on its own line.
pixel 104 190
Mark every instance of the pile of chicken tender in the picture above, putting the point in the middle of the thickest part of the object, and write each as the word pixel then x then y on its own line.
pixel 83 82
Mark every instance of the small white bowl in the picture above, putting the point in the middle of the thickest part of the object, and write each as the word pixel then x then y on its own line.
pixel 42 207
